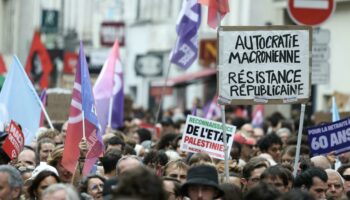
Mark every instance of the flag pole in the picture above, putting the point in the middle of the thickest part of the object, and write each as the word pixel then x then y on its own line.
pixel 162 94
pixel 297 153
pixel 218 18
pixel 83 120
pixel 45 113
pixel 110 109
pixel 225 142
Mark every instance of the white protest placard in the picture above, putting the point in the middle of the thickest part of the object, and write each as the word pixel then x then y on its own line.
pixel 206 136
pixel 264 65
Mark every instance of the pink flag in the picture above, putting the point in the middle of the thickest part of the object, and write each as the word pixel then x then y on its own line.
pixel 82 117
pixel 109 93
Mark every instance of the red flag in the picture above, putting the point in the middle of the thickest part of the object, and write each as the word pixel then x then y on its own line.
pixel 38 65
pixel 2 66
pixel 82 116
pixel 215 7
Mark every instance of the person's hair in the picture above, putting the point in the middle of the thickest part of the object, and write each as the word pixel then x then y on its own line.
pixel 144 134
pixel 110 159
pixel 268 140
pixel 291 149
pixel 231 192
pixel 306 177
pixel 32 189
pixel 83 185
pixel 71 194
pixel 165 141
pixel 292 140
pixel 14 179
pixel 236 151
pixel 239 122
pixel 55 156
pixel 342 168
pixel 176 164
pixel 289 174
pixel 274 172
pixel 176 140
pixel 129 150
pixel 252 164
pixel 262 191
pixel 154 157
pixel 289 124
pixel 114 140
pixel 177 185
pixel 49 133
pixel 297 194
pixel 275 118
pixel 139 183
pixel 125 158
pixel 198 157
pixel 332 171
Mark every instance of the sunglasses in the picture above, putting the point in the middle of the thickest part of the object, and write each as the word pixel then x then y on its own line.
pixel 346 177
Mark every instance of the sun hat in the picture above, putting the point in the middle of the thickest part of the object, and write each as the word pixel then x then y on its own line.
pixel 205 175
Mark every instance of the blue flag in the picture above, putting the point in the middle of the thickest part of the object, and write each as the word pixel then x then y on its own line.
pixel 186 49
pixel 335 112
pixel 20 102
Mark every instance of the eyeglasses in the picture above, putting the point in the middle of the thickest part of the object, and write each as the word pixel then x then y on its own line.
pixel 23 169
pixel 346 177
pixel 96 187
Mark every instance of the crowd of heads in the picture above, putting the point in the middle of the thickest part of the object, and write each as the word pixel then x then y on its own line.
pixel 141 161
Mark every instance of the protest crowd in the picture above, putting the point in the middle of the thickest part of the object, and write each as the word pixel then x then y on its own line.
pixel 100 152
pixel 144 162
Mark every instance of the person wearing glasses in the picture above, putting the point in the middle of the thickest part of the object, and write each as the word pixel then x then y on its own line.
pixel 276 176
pixel 252 171
pixel 93 186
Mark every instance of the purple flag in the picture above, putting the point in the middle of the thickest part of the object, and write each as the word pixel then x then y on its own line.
pixel 109 93
pixel 186 49
pixel 212 109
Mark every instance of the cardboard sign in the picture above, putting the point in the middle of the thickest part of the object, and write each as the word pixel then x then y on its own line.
pixel 264 65
pixel 14 142
pixel 202 135
pixel 330 137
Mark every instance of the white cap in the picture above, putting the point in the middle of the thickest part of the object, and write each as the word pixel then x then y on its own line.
pixel 43 167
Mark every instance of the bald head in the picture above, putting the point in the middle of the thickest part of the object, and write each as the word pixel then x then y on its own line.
pixel 321 162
